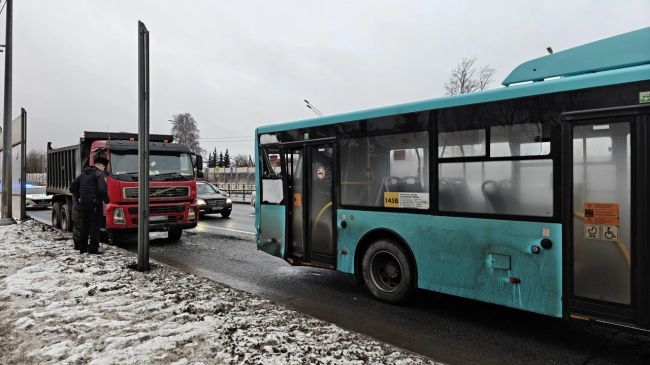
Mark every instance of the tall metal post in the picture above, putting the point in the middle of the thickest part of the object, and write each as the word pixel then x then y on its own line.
pixel 143 147
pixel 5 210
pixel 23 164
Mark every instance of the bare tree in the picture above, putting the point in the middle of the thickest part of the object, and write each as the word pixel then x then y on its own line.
pixel 186 132
pixel 241 160
pixel 35 162
pixel 466 79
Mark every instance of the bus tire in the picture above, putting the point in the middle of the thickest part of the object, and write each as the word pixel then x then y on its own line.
pixel 56 215
pixel 388 271
pixel 66 217
pixel 174 234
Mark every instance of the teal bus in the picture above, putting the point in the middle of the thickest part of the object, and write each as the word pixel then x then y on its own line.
pixel 533 195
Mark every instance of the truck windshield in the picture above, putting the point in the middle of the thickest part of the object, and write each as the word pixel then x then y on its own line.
pixel 162 167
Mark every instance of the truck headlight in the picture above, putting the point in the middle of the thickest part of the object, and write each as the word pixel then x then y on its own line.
pixel 228 201
pixel 192 214
pixel 118 216
pixel 200 202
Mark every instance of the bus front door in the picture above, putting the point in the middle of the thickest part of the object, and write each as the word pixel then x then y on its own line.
pixel 310 184
pixel 602 241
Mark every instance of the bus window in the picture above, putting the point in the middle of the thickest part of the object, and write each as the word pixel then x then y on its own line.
pixel 497 187
pixel 272 188
pixel 393 167
pixel 525 139
pixel 468 143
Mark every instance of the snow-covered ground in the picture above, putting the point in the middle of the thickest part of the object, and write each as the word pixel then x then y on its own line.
pixel 57 306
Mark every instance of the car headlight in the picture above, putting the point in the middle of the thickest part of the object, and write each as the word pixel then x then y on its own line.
pixel 228 201
pixel 192 214
pixel 118 216
pixel 200 202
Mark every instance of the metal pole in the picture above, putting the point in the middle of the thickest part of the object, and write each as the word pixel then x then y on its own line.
pixel 143 147
pixel 23 164
pixel 5 210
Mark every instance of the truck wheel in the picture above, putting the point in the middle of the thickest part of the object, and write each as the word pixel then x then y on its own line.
pixel 56 215
pixel 226 213
pixel 174 234
pixel 66 218
pixel 388 271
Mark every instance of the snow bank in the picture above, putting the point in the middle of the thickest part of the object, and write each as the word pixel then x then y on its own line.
pixel 57 306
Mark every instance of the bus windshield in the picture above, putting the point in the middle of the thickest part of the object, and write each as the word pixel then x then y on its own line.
pixel 162 167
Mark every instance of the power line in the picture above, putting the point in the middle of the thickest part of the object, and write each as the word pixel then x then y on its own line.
pixel 230 137
pixel 227 141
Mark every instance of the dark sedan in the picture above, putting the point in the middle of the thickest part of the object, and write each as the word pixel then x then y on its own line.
pixel 210 200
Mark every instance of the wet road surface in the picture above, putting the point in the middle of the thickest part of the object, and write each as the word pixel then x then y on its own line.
pixel 444 328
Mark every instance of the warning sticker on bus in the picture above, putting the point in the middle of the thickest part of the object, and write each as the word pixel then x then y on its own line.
pixel 406 200
pixel 601 213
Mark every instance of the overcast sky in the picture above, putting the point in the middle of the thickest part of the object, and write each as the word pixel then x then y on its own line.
pixel 235 65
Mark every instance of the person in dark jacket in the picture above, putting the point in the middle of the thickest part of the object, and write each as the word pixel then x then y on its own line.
pixel 91 191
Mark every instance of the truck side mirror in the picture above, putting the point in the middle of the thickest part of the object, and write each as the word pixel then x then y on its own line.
pixel 199 163
pixel 199 174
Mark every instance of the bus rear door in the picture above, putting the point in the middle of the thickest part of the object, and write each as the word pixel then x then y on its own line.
pixel 607 215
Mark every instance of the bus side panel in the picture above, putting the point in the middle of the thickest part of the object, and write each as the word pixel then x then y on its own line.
pixel 483 259
pixel 271 235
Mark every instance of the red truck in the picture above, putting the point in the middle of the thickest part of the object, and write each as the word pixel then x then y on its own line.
pixel 172 169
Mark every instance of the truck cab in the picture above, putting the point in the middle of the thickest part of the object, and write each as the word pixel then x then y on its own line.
pixel 172 189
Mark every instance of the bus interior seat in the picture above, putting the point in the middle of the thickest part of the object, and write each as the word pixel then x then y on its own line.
pixel 411 184
pixel 445 196
pixel 498 194
pixel 388 184
pixel 454 195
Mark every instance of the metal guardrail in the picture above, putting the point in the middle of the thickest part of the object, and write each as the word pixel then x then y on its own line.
pixel 242 192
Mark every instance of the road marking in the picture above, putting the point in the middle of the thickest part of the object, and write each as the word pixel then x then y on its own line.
pixel 225 229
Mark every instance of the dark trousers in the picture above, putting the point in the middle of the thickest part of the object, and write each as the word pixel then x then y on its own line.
pixel 91 222
pixel 76 226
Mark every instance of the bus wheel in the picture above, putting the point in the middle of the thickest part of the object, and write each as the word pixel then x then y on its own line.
pixel 174 234
pixel 56 215
pixel 387 271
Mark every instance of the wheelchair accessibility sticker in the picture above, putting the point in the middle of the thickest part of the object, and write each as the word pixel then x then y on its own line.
pixel 609 233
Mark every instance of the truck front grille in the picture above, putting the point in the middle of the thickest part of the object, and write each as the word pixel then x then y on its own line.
pixel 171 219
pixel 160 192
pixel 161 209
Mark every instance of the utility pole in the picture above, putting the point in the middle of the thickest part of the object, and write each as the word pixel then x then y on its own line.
pixel 5 211
pixel 143 147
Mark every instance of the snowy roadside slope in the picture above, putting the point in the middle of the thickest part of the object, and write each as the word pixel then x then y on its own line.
pixel 57 306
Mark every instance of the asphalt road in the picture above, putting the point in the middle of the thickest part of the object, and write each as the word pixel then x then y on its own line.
pixel 444 328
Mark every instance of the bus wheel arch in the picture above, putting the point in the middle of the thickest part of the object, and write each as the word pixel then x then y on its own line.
pixel 385 236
